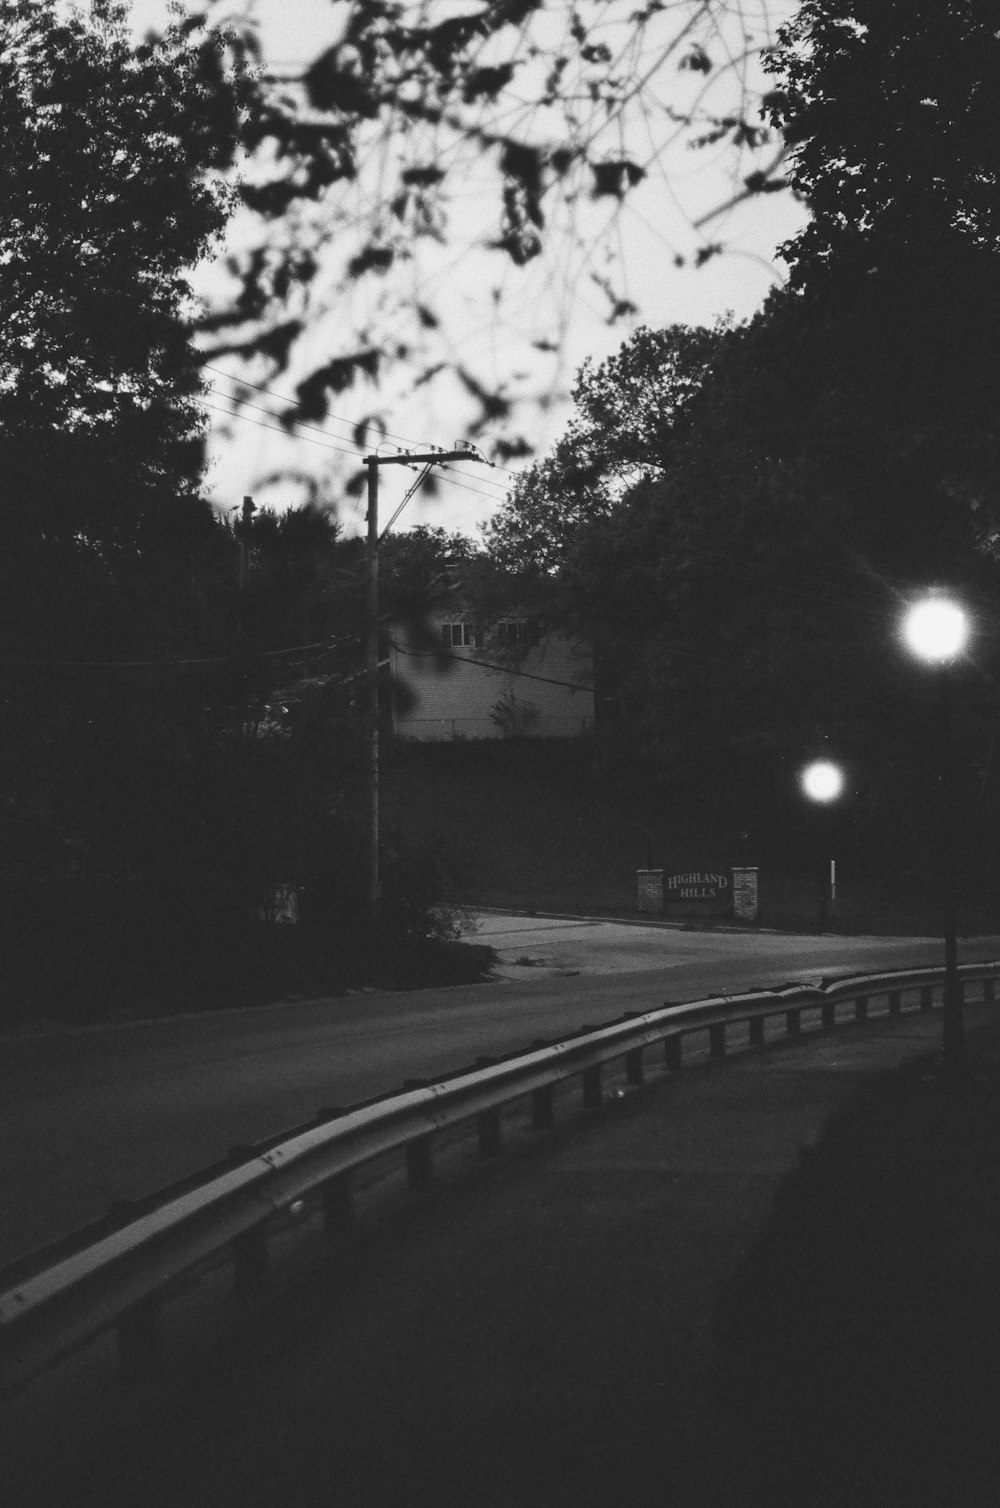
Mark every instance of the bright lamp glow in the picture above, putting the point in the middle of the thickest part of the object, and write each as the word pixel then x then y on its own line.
pixel 936 629
pixel 822 780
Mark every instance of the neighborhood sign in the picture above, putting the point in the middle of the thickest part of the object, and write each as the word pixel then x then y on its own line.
pixel 700 892
pixel 703 885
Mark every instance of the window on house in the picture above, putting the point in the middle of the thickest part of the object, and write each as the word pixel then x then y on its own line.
pixel 455 635
pixel 512 633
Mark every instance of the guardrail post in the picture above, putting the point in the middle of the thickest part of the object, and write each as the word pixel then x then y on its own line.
pixel 420 1162
pixel 489 1133
pixel 793 1021
pixel 592 1087
pixel 338 1207
pixel 895 1003
pixel 717 1039
pixel 829 1016
pixel 756 1031
pixel 542 1111
pixel 927 997
pixel 138 1331
pixel 251 1275
pixel 672 1050
pixel 988 991
pixel 861 1008
pixel 634 1073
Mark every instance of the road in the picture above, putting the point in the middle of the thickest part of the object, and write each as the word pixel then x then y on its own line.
pixel 92 1116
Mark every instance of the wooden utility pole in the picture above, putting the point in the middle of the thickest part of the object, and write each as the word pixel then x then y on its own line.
pixel 246 514
pixel 373 879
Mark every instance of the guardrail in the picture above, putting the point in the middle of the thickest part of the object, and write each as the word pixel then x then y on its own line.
pixel 79 1288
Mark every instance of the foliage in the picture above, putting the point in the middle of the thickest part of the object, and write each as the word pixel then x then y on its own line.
pixel 629 411
pixel 837 454
pixel 513 138
pixel 110 189
pixel 166 763
pixel 887 109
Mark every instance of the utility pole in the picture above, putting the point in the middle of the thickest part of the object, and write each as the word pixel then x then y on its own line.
pixel 246 514
pixel 373 879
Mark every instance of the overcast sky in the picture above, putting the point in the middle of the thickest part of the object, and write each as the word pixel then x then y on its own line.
pixel 246 449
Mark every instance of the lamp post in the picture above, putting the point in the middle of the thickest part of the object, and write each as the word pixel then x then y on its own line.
pixel 935 630
pixel 822 781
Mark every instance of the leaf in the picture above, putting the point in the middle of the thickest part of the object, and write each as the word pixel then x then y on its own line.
pixel 335 377
pixel 372 258
pixel 422 177
pixel 697 60
pixel 613 179
pixel 329 86
pixel 487 83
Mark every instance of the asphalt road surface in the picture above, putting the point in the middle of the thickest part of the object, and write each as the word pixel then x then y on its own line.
pixel 88 1117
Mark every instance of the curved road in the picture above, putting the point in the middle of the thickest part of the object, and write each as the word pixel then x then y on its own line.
pixel 91 1116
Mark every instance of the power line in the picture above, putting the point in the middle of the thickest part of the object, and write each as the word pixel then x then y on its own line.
pixel 351 424
pixel 443 654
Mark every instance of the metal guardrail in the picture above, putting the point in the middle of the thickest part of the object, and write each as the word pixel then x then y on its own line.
pixel 71 1293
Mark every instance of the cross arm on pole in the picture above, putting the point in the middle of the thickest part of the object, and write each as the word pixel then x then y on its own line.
pixel 409 459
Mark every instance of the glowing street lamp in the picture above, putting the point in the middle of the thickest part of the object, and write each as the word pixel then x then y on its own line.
pixel 936 631
pixel 822 781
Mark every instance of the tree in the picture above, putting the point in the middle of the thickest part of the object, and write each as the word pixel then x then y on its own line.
pixel 111 188
pixel 629 413
pixel 839 452
pixel 887 110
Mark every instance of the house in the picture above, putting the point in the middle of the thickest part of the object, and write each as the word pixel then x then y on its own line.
pixel 482 675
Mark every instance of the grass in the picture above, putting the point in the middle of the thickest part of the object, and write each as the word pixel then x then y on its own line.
pixel 858 1352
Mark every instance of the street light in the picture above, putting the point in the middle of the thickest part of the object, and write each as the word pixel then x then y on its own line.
pixel 822 781
pixel 936 630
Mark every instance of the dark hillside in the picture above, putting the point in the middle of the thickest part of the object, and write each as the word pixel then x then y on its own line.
pixel 548 826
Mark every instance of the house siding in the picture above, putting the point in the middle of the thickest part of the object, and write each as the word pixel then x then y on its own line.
pixel 487 692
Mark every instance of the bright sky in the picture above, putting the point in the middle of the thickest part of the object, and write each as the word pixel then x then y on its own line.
pixel 656 225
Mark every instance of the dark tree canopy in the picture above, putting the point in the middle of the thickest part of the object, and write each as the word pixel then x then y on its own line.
pixel 836 454
pixel 629 413
pixel 888 110
pixel 110 190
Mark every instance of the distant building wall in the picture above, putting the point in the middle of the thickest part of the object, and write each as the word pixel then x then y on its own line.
pixel 491 688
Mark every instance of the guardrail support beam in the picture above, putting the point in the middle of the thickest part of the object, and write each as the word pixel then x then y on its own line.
pixel 829 1015
pixel 717 1040
pixel 895 1003
pixel 251 1274
pixel 927 998
pixel 634 1072
pixel 489 1133
pixel 672 1052
pixel 592 1093
pixel 420 1163
pixel 861 1008
pixel 989 994
pixel 338 1207
pixel 139 1336
pixel 756 1025
pixel 542 1107
pixel 793 1022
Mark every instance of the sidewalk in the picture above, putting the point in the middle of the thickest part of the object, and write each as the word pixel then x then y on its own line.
pixel 537 1336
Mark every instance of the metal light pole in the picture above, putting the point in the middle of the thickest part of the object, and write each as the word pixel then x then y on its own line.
pixel 822 781
pixel 935 630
